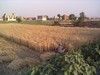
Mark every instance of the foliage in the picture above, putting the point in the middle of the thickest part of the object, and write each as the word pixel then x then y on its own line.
pixel 56 23
pixel 4 17
pixel 91 54
pixel 72 17
pixel 19 19
pixel 37 22
pixel 75 21
pixel 81 18
pixel 82 15
pixel 65 64
pixel 77 65
pixel 59 15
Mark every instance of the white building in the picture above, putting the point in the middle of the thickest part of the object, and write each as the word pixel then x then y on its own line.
pixel 42 18
pixel 9 17
pixel 1 19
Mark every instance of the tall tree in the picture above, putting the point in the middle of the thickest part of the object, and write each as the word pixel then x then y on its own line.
pixel 82 17
pixel 18 19
pixel 82 14
pixel 4 17
pixel 72 17
pixel 59 16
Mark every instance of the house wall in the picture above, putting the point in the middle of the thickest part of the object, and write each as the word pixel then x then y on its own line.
pixel 10 17
pixel 42 18
pixel 1 19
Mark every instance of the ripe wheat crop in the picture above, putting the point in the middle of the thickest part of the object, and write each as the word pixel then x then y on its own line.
pixel 48 38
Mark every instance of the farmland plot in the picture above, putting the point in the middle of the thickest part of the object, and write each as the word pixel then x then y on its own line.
pixel 16 59
pixel 48 38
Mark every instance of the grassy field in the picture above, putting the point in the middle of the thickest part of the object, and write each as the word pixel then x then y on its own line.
pixel 23 45
pixel 49 38
pixel 32 22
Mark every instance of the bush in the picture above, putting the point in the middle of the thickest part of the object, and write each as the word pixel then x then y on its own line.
pixel 85 61
pixel 91 54
pixel 77 65
pixel 65 64
pixel 19 19
pixel 56 23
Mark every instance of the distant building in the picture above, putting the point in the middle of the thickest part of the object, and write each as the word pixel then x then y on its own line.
pixel 97 19
pixel 65 17
pixel 42 18
pixel 30 18
pixel 1 19
pixel 9 17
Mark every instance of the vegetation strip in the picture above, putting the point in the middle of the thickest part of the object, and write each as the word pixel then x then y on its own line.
pixel 84 61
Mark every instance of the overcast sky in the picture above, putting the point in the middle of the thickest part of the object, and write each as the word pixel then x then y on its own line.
pixel 50 7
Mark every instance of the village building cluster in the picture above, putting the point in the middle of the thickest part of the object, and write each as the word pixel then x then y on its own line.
pixel 13 17
pixel 9 17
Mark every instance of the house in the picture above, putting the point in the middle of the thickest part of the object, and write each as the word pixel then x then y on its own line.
pixel 9 17
pixel 30 18
pixel 1 19
pixel 42 18
pixel 65 17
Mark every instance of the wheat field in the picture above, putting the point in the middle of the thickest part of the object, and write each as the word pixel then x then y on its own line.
pixel 49 38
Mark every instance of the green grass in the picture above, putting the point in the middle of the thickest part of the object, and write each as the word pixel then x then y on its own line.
pixel 34 22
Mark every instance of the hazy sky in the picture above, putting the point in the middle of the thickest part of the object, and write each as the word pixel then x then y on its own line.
pixel 50 7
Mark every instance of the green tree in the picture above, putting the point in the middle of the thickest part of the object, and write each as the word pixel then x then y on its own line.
pixel 19 19
pixel 73 18
pixel 81 18
pixel 82 15
pixel 4 17
pixel 59 16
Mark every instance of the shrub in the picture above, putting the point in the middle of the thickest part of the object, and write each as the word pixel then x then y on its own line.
pixel 56 23
pixel 65 64
pixel 91 54
pixel 19 19
pixel 77 65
